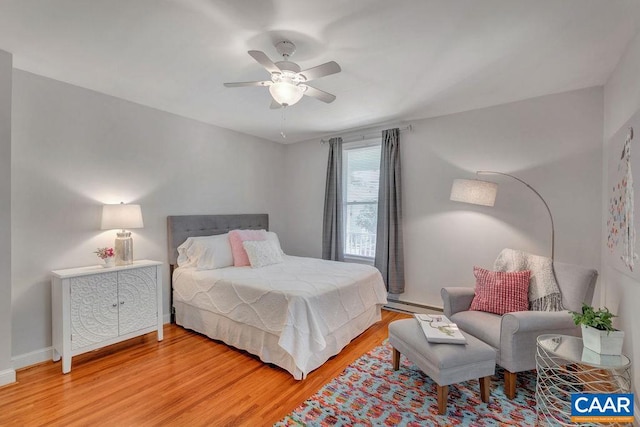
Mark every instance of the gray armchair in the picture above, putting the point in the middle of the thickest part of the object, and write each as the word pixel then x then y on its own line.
pixel 513 335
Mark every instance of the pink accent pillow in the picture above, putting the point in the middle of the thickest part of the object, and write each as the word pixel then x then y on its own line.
pixel 236 237
pixel 501 292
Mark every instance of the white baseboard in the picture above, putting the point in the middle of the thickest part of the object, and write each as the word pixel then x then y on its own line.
pixel 32 358
pixel 46 354
pixel 8 376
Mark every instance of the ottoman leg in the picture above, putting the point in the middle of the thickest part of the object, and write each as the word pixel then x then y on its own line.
pixel 485 388
pixel 443 391
pixel 395 358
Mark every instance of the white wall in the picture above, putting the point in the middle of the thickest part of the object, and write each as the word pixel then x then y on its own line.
pixel 622 293
pixel 74 150
pixel 305 174
pixel 7 374
pixel 552 142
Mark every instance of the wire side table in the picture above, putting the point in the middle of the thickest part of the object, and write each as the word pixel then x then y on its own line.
pixel 564 367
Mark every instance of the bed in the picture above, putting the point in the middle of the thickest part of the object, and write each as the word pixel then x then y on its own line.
pixel 295 314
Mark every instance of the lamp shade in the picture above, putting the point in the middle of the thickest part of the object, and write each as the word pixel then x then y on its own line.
pixel 474 191
pixel 286 93
pixel 121 217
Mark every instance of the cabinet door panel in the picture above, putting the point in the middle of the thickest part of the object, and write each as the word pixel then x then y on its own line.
pixel 137 299
pixel 94 311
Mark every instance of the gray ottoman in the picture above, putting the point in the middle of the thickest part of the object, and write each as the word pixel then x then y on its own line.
pixel 444 363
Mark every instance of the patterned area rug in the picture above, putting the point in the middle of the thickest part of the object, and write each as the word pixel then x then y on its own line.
pixel 370 393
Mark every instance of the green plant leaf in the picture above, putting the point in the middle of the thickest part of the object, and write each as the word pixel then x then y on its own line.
pixel 600 319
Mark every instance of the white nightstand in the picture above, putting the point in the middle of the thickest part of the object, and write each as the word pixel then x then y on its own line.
pixel 93 307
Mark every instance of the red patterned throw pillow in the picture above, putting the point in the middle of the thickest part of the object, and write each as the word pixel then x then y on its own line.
pixel 501 292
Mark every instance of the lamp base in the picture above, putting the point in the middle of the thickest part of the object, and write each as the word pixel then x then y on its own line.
pixel 124 248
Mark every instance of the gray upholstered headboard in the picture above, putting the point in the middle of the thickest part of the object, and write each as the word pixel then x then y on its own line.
pixel 179 228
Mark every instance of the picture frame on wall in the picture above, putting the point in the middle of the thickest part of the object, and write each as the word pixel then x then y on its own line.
pixel 622 217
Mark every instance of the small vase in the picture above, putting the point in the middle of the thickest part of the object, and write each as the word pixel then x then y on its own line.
pixel 109 262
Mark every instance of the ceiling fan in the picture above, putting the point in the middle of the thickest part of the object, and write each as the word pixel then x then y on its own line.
pixel 288 83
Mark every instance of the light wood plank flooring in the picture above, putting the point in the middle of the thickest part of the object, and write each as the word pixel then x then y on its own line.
pixel 185 380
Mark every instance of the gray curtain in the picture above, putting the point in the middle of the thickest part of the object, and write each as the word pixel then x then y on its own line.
pixel 332 223
pixel 389 250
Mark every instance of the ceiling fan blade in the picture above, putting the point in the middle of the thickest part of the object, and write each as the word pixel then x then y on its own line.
pixel 274 105
pixel 242 84
pixel 319 94
pixel 321 70
pixel 264 60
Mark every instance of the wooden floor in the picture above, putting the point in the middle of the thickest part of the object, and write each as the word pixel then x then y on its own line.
pixel 185 380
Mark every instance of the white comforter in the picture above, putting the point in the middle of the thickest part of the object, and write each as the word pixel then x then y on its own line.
pixel 301 300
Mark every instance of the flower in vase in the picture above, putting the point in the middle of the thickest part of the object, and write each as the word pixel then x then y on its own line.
pixel 105 253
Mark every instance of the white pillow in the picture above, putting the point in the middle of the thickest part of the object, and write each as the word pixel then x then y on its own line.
pixel 206 252
pixel 262 252
pixel 183 259
pixel 273 237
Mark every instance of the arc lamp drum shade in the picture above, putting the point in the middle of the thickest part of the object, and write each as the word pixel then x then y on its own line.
pixel 121 216
pixel 474 191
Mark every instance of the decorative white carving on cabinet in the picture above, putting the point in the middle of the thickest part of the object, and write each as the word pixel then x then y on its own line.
pixel 94 312
pixel 137 299
pixel 94 307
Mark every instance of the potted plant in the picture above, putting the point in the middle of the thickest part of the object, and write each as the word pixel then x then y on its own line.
pixel 598 333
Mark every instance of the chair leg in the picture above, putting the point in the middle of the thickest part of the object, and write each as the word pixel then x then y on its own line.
pixel 443 392
pixel 485 388
pixel 395 359
pixel 510 384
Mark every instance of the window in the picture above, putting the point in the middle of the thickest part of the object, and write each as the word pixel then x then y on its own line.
pixel 361 177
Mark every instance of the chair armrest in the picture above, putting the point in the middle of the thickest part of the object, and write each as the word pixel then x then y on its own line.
pixel 520 330
pixel 456 299
pixel 544 321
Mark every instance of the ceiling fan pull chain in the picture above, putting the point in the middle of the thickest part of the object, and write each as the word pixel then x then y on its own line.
pixel 284 136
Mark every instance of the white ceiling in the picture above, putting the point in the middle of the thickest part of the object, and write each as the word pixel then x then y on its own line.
pixel 401 59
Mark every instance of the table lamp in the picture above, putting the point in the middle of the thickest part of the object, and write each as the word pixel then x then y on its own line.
pixel 122 217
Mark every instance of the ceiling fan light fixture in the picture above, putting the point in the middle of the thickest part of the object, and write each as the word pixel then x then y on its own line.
pixel 285 93
pixel 288 80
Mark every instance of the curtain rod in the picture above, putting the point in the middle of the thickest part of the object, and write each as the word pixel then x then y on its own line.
pixel 366 136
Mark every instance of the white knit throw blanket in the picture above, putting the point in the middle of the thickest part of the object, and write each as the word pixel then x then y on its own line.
pixel 544 293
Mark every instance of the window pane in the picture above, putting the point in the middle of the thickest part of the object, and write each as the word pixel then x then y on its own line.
pixel 361 230
pixel 362 172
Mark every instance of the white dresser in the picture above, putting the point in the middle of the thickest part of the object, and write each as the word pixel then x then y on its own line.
pixel 93 307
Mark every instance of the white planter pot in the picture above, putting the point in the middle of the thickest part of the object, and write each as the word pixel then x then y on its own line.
pixel 602 342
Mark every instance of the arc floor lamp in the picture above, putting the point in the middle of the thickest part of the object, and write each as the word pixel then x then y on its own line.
pixel 478 192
